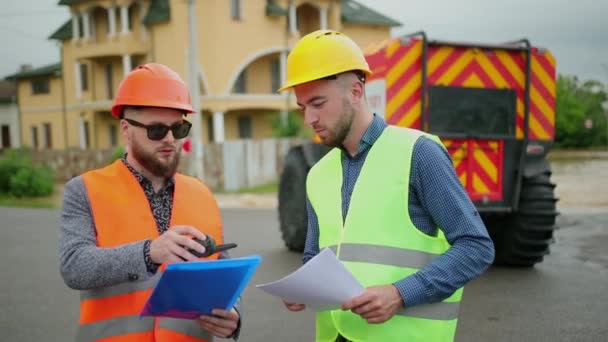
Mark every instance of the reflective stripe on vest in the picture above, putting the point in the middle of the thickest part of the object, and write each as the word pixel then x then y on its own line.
pixel 120 289
pixel 134 324
pixel 392 256
pixel 115 327
pixel 385 255
pixel 377 240
pixel 122 215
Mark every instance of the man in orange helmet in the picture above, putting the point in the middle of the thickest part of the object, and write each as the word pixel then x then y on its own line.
pixel 387 201
pixel 122 223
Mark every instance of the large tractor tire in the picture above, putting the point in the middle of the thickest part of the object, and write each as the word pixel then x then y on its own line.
pixel 525 237
pixel 292 200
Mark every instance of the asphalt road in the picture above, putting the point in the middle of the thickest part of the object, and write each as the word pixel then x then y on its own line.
pixel 563 299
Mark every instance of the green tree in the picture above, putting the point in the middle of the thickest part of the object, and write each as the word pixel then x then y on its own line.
pixel 580 117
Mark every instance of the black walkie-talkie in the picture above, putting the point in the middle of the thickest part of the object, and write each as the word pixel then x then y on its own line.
pixel 210 247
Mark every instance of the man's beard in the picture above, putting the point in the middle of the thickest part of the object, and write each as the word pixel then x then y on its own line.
pixel 338 135
pixel 151 163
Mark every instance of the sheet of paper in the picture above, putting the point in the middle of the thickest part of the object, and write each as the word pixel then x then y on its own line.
pixel 322 283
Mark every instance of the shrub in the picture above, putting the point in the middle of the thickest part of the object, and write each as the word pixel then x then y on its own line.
pixel 20 178
pixel 10 164
pixel 116 154
pixel 292 126
pixel 31 181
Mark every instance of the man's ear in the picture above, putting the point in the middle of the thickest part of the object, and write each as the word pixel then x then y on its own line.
pixel 124 128
pixel 357 91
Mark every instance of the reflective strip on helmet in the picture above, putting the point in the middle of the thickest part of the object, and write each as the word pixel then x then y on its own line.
pixel 119 289
pixel 187 327
pixel 114 327
pixel 384 255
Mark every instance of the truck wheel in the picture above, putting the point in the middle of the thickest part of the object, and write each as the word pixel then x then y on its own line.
pixel 292 200
pixel 525 238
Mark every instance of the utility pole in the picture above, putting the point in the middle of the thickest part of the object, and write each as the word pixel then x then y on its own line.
pixel 195 91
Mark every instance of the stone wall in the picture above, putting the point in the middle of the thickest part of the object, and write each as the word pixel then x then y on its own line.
pixel 231 165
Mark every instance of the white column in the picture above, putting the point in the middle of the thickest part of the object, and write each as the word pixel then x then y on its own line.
pixel 218 126
pixel 112 21
pixel 86 25
pixel 75 27
pixel 323 18
pixel 126 64
pixel 78 80
pixel 15 131
pixel 81 134
pixel 293 19
pixel 282 67
pixel 124 19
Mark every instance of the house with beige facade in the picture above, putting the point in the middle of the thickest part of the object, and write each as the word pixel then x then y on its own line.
pixel 242 46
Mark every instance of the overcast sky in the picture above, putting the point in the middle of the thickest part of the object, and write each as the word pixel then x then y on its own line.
pixel 576 32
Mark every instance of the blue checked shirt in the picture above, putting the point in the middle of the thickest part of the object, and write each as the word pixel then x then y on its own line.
pixel 436 199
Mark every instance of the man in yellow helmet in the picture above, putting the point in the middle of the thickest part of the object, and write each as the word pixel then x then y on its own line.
pixel 387 200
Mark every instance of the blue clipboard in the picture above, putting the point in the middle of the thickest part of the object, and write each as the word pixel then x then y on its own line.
pixel 190 289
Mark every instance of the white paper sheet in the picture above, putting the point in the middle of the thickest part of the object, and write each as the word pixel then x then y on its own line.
pixel 323 283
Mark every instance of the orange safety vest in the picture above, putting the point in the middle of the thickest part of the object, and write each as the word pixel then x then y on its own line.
pixel 122 215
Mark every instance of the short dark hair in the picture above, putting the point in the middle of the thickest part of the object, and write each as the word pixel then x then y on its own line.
pixel 360 75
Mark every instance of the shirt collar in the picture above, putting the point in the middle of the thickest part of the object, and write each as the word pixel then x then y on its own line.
pixel 372 133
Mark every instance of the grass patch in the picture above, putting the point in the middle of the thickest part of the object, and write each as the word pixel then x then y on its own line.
pixel 36 202
pixel 260 189
pixel 52 201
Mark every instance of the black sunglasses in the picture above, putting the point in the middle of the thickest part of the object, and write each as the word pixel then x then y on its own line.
pixel 159 131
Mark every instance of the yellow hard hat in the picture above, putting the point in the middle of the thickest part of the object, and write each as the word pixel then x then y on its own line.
pixel 321 54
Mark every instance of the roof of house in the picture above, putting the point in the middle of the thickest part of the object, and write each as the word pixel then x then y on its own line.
pixel 63 32
pixel 8 92
pixel 160 11
pixel 274 9
pixel 47 70
pixel 354 12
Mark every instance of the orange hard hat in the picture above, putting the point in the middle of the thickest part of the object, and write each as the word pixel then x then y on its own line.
pixel 152 85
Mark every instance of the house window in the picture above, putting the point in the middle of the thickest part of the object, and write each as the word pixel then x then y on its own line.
pixel 6 136
pixel 113 135
pixel 240 86
pixel 130 18
pixel 109 81
pixel 48 139
pixel 275 75
pixel 40 86
pixel 210 128
pixel 84 80
pixel 34 133
pixel 244 123
pixel 235 9
pixel 80 21
pixel 87 141
pixel 84 134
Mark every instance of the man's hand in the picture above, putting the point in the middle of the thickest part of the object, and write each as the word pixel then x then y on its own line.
pixel 377 304
pixel 222 324
pixel 294 306
pixel 171 245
